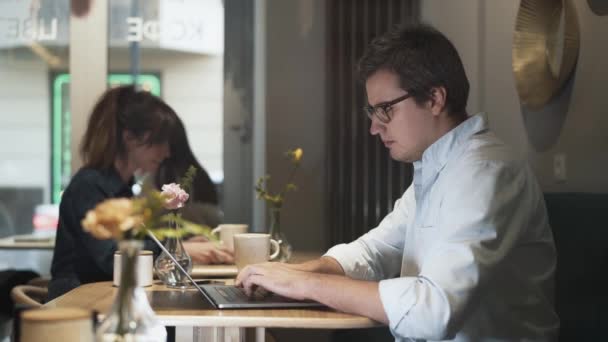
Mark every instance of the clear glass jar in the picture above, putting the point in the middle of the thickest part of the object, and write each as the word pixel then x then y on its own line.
pixel 278 235
pixel 165 268
pixel 131 318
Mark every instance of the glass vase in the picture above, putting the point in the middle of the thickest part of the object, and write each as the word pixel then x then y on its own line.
pixel 277 234
pixel 165 268
pixel 131 318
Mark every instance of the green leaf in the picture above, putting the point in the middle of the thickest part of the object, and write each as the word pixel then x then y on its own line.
pixel 188 179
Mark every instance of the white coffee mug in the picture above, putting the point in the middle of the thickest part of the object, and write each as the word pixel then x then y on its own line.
pixel 145 269
pixel 227 231
pixel 253 248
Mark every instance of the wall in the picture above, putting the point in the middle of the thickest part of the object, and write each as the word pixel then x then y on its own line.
pixel 482 31
pixel 295 113
pixel 25 135
pixel 464 34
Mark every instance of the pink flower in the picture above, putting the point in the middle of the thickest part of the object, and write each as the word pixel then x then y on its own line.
pixel 174 195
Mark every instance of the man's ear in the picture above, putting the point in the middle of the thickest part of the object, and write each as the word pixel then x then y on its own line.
pixel 438 100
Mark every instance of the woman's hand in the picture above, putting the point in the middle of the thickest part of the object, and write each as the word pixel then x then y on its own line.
pixel 198 238
pixel 208 253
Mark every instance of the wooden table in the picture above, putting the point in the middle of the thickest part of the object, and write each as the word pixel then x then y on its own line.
pixel 40 243
pixel 228 325
pixel 31 251
pixel 27 242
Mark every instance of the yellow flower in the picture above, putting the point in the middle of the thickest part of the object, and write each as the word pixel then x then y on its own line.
pixel 276 199
pixel 111 219
pixel 297 155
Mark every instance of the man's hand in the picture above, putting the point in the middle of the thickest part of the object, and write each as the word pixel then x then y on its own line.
pixel 275 277
pixel 208 253
pixel 297 282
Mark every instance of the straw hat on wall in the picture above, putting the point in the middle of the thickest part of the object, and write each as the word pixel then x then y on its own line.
pixel 545 49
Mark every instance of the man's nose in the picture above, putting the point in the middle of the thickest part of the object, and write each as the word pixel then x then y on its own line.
pixel 375 126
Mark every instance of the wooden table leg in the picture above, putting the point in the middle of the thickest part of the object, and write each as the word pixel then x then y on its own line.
pixel 219 334
pixel 232 334
pixel 205 334
pixel 260 334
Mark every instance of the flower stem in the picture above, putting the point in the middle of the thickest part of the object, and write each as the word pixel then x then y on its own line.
pixel 291 176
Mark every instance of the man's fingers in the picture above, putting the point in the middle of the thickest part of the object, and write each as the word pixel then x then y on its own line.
pixel 261 292
pixel 247 284
pixel 252 283
pixel 243 274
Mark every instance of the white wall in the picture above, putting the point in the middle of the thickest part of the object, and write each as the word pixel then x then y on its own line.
pixel 25 134
pixel 482 31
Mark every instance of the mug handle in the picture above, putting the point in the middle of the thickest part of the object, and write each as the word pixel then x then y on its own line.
pixel 216 230
pixel 277 248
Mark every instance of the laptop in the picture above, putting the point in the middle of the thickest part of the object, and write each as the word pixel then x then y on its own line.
pixel 231 297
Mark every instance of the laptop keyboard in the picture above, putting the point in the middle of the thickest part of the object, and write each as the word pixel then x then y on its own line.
pixel 232 294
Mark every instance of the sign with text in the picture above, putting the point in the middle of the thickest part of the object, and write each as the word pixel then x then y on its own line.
pixel 195 26
pixel 192 25
pixel 21 23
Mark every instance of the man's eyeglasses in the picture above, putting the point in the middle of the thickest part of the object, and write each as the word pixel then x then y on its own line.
pixel 382 110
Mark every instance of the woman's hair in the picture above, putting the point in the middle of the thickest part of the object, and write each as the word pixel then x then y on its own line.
pixel 173 168
pixel 120 109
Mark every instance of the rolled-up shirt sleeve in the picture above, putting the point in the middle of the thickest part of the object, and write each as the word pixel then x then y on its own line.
pixel 479 222
pixel 377 254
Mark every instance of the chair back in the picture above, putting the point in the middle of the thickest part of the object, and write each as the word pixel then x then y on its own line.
pixel 29 295
pixel 40 282
pixel 579 223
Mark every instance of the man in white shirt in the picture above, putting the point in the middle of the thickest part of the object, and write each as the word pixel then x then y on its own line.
pixel 467 253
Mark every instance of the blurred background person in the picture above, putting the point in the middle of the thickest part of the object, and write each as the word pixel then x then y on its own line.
pixel 128 131
pixel 202 206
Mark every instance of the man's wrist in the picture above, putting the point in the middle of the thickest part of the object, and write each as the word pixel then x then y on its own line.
pixel 309 286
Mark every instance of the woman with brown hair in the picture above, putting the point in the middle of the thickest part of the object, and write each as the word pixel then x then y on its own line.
pixel 128 131
pixel 202 206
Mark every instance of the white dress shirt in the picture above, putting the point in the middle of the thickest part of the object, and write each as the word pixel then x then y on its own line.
pixel 467 253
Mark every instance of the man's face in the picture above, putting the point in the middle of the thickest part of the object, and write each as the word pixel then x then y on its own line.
pixel 409 132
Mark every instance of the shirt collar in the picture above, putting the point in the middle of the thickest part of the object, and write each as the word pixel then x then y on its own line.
pixel 437 155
